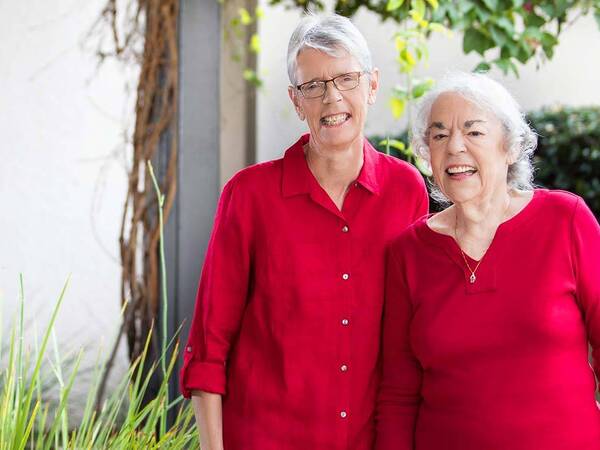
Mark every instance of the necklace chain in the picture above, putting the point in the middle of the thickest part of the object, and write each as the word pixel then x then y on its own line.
pixel 473 277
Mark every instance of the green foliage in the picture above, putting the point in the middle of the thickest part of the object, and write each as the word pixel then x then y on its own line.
pixel 126 420
pixel 503 32
pixel 245 41
pixel 568 154
pixel 567 157
pixel 29 420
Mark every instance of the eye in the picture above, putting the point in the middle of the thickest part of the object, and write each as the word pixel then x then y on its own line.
pixel 311 87
pixel 439 136
pixel 475 133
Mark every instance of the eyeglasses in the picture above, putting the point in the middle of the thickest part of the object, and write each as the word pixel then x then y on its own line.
pixel 317 88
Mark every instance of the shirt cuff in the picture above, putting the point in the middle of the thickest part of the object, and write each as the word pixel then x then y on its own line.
pixel 202 376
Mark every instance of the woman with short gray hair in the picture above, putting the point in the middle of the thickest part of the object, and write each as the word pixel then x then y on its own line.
pixel 284 344
pixel 490 304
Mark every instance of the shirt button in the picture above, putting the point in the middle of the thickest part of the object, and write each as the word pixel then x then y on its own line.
pixel 345 322
pixel 344 368
pixel 345 276
pixel 343 414
pixel 345 229
pixel 189 349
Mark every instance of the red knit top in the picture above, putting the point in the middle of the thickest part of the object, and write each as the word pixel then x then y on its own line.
pixel 500 364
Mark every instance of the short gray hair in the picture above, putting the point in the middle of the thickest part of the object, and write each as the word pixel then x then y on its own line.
pixel 329 33
pixel 491 96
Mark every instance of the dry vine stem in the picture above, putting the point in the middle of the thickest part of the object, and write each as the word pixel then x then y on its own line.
pixel 156 105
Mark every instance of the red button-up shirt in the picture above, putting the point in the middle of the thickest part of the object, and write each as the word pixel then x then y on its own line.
pixel 287 319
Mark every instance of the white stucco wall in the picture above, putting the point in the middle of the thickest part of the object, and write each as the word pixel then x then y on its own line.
pixel 62 172
pixel 571 77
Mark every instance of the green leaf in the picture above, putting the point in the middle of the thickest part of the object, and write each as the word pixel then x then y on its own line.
pixel 597 15
pixel 419 7
pixel 439 28
pixel 509 50
pixel 434 3
pixel 506 24
pixel 483 14
pixel 492 5
pixel 245 16
pixel 394 143
pixel 400 43
pixel 548 8
pixel 475 40
pixel 255 43
pixel 421 88
pixel 397 106
pixel 482 67
pixel 498 35
pixel 393 5
pixel 524 53
pixel 400 91
pixel 252 77
pixel 548 39
pixel 407 59
pixel 532 32
pixel 506 65
pixel 533 20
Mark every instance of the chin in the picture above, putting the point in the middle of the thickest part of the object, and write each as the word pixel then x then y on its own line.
pixel 338 137
pixel 460 196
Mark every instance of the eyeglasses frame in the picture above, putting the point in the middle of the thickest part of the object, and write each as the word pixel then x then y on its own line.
pixel 359 72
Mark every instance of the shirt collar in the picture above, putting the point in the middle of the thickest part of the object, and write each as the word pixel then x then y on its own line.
pixel 298 179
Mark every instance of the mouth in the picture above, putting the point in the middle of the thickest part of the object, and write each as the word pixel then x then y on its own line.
pixel 335 120
pixel 460 172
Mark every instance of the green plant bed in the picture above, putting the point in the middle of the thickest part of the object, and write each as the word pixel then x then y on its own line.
pixel 124 420
pixel 28 420
pixel 568 153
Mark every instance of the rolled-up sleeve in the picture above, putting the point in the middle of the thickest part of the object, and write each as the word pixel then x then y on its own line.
pixel 221 297
pixel 399 393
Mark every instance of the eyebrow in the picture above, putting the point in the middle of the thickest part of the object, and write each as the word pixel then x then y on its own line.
pixel 467 124
pixel 335 76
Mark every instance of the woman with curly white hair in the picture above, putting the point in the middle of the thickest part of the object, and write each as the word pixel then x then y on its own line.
pixel 490 304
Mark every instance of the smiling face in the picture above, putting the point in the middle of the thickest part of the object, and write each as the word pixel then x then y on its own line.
pixel 336 120
pixel 466 144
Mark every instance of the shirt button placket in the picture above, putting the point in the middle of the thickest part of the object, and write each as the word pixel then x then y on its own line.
pixel 347 292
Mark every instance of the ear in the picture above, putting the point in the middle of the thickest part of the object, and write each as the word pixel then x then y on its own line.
pixel 373 86
pixel 511 157
pixel 294 97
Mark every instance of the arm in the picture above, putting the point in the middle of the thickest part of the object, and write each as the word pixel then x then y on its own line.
pixel 220 303
pixel 399 392
pixel 585 241
pixel 209 419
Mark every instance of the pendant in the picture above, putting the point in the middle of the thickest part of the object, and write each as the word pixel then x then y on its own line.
pixel 472 278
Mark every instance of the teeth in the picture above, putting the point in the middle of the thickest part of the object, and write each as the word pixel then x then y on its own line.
pixel 460 169
pixel 335 119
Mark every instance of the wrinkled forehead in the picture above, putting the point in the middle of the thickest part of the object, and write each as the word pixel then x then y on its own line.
pixel 317 64
pixel 452 107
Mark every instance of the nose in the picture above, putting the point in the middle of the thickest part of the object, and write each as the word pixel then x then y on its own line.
pixel 332 94
pixel 456 143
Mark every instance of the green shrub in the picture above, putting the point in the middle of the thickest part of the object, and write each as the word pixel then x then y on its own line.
pixel 568 153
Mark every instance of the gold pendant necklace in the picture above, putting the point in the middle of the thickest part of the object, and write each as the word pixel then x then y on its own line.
pixel 473 277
